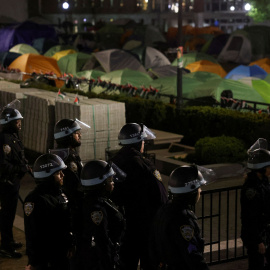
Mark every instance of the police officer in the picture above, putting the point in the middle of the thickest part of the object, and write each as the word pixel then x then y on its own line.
pixel 102 222
pixel 49 241
pixel 141 194
pixel 67 134
pixel 176 242
pixel 13 167
pixel 255 212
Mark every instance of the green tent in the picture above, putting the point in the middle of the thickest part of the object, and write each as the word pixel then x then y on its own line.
pixel 90 74
pixel 267 78
pixel 211 87
pixel 73 63
pixel 58 48
pixel 189 58
pixel 263 88
pixel 23 49
pixel 128 76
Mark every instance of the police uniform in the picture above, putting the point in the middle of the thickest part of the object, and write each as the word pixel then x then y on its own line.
pixel 176 241
pixel 141 194
pixel 13 168
pixel 47 228
pixel 101 233
pixel 255 216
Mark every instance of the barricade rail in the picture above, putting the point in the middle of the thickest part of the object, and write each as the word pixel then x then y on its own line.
pixel 218 213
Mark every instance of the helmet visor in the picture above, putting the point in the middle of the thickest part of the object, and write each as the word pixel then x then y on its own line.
pixel 147 134
pixel 85 128
pixel 209 176
pixel 120 175
pixel 63 153
pixel 261 143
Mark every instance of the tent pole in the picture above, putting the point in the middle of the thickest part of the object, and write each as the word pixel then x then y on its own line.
pixel 179 99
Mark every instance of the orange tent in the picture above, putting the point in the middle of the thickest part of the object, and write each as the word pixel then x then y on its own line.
pixel 208 66
pixel 264 63
pixel 30 63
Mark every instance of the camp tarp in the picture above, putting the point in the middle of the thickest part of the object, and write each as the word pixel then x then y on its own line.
pixel 114 59
pixel 205 65
pixel 73 63
pixel 31 63
pixel 246 71
pixel 264 63
pixel 150 57
pixel 25 32
pixel 59 55
pixel 58 48
pixel 6 58
pixel 23 49
pixel 189 58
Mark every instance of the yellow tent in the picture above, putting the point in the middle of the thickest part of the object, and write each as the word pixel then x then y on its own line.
pixel 30 63
pixel 264 63
pixel 60 54
pixel 205 65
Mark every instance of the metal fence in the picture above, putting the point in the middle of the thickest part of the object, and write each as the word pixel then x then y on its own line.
pixel 218 213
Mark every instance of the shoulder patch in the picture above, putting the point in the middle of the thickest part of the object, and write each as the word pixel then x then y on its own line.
pixel 6 149
pixel 97 217
pixel 250 193
pixel 187 232
pixel 28 208
pixel 157 175
pixel 73 166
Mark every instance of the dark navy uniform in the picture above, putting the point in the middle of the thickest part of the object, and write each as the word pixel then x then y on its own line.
pixel 141 194
pixel 47 228
pixel 255 215
pixel 176 241
pixel 13 168
pixel 103 226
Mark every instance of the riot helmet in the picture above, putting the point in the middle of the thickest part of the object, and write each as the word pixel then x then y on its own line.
pixel 94 174
pixel 8 115
pixel 133 133
pixel 46 166
pixel 188 178
pixel 261 143
pixel 258 159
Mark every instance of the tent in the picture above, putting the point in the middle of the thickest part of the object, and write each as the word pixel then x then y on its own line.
pixel 25 32
pixel 168 85
pixel 128 76
pixel 150 57
pixel 263 88
pixel 6 58
pixel 249 44
pixel 23 48
pixel 58 48
pixel 43 44
pixel 60 54
pixel 30 63
pixel 73 63
pixel 90 74
pixel 216 44
pixel 264 63
pixel 246 71
pixel 165 71
pixel 189 58
pixel 238 49
pixel 114 59
pixel 205 65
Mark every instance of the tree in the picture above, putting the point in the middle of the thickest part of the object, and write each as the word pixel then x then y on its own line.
pixel 260 10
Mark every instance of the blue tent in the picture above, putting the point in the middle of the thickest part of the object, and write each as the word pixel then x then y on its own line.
pixel 246 71
pixel 25 32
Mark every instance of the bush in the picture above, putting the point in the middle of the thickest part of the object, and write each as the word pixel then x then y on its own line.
pixel 213 150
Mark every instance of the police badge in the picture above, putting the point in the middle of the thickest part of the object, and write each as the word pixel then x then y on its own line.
pixel 157 175
pixel 73 166
pixel 187 232
pixel 97 217
pixel 6 149
pixel 28 208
